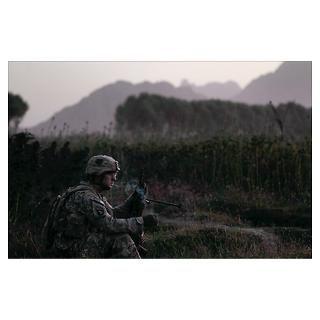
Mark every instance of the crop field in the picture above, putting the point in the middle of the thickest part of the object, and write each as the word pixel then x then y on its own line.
pixel 241 197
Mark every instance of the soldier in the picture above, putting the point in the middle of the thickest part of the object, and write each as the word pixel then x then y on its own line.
pixel 83 223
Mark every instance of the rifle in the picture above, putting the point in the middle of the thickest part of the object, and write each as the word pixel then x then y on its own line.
pixel 140 187
pixel 132 185
pixel 165 203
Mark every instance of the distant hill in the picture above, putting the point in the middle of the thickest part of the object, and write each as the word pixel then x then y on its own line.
pixel 291 82
pixel 95 113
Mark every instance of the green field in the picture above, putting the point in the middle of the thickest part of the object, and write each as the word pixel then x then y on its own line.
pixel 242 197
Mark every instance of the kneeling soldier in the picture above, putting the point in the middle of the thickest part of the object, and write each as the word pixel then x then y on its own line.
pixel 83 224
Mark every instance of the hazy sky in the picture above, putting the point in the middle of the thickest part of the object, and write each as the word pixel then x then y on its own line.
pixel 48 87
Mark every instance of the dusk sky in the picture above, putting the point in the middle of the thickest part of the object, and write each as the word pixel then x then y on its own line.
pixel 48 87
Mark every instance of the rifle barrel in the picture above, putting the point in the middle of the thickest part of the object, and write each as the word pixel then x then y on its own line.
pixel 165 203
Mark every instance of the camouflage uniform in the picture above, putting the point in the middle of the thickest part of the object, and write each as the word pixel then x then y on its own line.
pixel 87 226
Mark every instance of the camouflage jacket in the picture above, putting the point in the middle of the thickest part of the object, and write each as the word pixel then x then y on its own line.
pixel 85 211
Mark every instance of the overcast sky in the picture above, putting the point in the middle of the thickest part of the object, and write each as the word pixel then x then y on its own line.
pixel 48 87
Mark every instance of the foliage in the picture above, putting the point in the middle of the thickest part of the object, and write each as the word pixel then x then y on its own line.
pixel 148 116
pixel 39 170
pixel 17 108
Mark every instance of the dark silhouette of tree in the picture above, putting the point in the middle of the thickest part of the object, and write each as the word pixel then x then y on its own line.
pixel 17 108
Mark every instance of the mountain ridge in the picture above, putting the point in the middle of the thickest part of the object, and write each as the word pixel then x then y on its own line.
pixel 291 82
pixel 95 112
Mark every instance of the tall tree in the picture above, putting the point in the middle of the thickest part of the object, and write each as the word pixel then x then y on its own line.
pixel 17 108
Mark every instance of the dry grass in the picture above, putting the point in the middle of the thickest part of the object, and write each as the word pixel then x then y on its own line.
pixel 205 240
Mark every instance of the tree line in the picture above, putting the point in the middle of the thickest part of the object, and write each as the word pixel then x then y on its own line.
pixel 148 116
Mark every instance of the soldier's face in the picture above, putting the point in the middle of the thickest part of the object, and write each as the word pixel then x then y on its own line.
pixel 108 180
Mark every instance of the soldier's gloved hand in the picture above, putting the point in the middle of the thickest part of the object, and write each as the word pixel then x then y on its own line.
pixel 137 201
pixel 150 220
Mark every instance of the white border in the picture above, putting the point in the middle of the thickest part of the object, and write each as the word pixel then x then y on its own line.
pixel 166 30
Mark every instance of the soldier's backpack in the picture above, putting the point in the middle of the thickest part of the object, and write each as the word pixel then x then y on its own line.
pixel 49 229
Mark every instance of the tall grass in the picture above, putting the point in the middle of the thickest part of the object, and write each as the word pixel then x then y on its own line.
pixel 38 170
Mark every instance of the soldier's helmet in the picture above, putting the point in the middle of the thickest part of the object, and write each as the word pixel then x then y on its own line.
pixel 101 164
